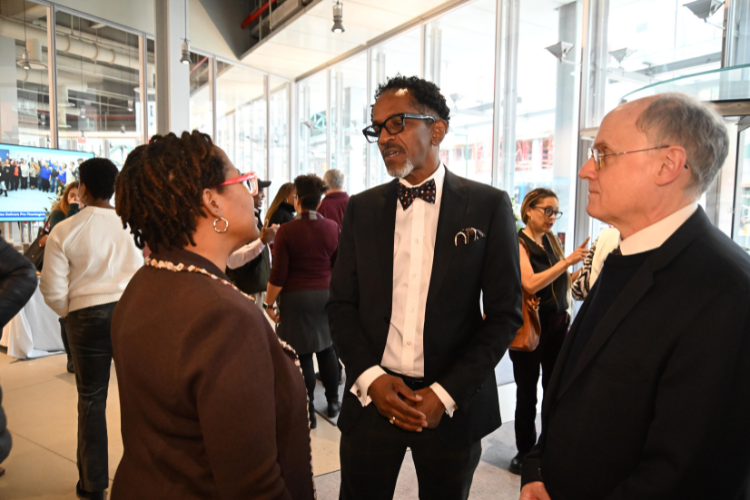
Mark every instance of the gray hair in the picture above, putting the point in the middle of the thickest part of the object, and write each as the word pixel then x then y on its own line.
pixel 334 178
pixel 676 119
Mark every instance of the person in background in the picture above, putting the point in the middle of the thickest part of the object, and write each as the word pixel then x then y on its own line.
pixel 249 267
pixel 17 284
pixel 606 242
pixel 62 178
pixel 15 179
pixel 34 175
pixel 281 210
pixel 44 173
pixel 213 405
pixel 88 261
pixel 5 177
pixel 650 396
pixel 54 173
pixel 67 207
pixel 303 256
pixel 334 204
pixel 24 175
pixel 544 273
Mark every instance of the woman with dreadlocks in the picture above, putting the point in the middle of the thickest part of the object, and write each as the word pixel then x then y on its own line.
pixel 213 404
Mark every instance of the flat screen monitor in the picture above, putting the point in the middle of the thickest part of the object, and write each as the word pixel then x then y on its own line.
pixel 30 179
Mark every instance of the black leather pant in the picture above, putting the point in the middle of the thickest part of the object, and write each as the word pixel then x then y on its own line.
pixel 91 347
pixel 526 367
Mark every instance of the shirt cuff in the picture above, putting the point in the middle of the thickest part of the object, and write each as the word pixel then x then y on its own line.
pixel 362 384
pixel 245 254
pixel 445 398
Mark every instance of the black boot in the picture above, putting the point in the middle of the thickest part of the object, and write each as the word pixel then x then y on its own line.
pixel 516 463
pixel 334 408
pixel 313 417
pixel 88 495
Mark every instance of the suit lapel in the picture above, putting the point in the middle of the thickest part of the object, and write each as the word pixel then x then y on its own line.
pixel 632 294
pixel 385 229
pixel 452 209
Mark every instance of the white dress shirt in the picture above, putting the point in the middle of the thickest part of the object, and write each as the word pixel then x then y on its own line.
pixel 413 253
pixel 656 234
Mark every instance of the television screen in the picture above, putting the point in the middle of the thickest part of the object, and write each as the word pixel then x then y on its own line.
pixel 31 178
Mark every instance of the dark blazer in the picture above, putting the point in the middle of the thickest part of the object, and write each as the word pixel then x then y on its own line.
pixel 460 350
pixel 658 404
pixel 283 214
pixel 212 405
pixel 18 283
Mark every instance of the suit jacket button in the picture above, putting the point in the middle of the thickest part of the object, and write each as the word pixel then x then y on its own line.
pixel 359 394
pixel 455 407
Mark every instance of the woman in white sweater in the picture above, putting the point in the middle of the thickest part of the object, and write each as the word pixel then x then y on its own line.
pixel 88 261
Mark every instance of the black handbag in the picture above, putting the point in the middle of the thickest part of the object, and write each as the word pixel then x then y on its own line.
pixel 35 253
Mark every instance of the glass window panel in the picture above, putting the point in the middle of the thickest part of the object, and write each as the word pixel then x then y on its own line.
pixel 98 86
pixel 151 89
pixel 201 105
pixel 741 232
pixel 460 59
pixel 656 40
pixel 24 93
pixel 312 125
pixel 399 55
pixel 348 117
pixel 241 117
pixel 545 126
pixel 279 135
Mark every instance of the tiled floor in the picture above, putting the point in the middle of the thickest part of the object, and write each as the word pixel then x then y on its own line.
pixel 39 398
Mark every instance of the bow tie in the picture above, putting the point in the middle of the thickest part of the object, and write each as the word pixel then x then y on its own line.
pixel 407 195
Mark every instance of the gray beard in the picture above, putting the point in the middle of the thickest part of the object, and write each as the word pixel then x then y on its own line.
pixel 403 171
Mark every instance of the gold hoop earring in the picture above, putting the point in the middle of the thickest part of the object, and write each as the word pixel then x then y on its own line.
pixel 225 227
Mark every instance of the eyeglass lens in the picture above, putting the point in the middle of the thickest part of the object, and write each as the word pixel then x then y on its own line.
pixel 394 125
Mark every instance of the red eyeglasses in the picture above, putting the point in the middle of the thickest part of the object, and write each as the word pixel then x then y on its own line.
pixel 251 184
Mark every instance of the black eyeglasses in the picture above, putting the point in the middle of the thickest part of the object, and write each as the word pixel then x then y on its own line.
pixel 394 124
pixel 549 212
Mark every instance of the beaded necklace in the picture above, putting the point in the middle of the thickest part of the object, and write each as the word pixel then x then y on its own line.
pixel 179 268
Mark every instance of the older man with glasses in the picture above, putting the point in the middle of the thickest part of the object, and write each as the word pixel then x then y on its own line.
pixel 414 257
pixel 649 398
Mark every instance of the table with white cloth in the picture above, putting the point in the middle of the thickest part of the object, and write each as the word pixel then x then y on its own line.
pixel 34 332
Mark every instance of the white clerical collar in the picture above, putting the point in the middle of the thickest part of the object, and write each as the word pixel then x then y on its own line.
pixel 656 234
pixel 438 176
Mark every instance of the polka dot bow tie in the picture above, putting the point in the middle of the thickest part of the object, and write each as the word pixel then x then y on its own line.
pixel 407 195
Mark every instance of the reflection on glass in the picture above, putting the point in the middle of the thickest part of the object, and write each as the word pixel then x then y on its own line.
pixel 545 127
pixel 399 55
pixel 741 232
pixel 201 107
pixel 312 125
pixel 348 117
pixel 460 59
pixel 98 88
pixel 656 40
pixel 24 115
pixel 278 165
pixel 241 117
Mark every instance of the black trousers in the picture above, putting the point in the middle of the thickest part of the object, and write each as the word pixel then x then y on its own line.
pixel 24 183
pixel 64 336
pixel 329 373
pixel 373 450
pixel 526 372
pixel 14 182
pixel 91 347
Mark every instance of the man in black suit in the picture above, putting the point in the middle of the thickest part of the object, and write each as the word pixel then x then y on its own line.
pixel 414 256
pixel 650 397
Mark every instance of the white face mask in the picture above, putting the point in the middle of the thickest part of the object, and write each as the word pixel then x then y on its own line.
pixel 403 171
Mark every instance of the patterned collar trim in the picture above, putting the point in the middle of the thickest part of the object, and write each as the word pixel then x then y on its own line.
pixel 312 215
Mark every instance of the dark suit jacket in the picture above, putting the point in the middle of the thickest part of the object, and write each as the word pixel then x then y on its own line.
pixel 658 404
pixel 460 350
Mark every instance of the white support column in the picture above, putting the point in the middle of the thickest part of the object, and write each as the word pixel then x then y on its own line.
pixel 497 115
pixel 173 77
pixel 52 74
pixel 143 82
pixel 8 91
pixel 511 10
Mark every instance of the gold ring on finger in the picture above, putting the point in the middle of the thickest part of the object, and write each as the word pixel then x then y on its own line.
pixel 393 420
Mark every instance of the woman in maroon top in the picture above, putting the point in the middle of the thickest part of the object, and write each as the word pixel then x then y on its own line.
pixel 303 255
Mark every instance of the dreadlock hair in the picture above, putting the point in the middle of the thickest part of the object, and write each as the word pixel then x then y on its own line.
pixel 159 192
pixel 427 95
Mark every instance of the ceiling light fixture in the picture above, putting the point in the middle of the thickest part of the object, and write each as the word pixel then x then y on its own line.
pixel 24 62
pixel 560 50
pixel 338 17
pixel 185 59
pixel 704 9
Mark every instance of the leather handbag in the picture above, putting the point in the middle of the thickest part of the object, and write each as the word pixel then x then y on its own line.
pixel 527 338
pixel 35 253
